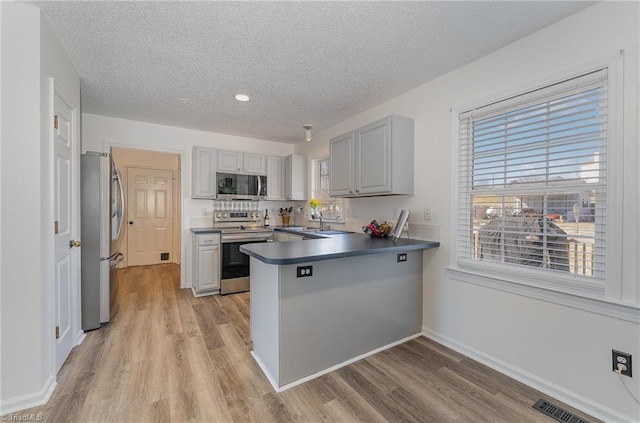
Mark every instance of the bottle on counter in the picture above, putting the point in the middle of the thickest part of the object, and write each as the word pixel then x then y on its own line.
pixel 266 217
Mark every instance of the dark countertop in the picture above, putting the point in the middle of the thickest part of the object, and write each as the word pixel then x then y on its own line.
pixel 339 246
pixel 200 231
pixel 290 228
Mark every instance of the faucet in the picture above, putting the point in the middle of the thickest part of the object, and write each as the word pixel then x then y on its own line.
pixel 321 221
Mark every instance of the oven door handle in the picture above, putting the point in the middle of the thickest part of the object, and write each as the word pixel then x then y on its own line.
pixel 245 238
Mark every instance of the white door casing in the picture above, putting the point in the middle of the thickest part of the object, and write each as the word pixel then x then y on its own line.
pixel 150 215
pixel 66 256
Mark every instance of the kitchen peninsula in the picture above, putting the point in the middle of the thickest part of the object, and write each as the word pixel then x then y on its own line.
pixel 317 305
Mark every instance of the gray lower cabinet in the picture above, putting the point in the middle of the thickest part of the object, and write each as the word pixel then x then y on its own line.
pixel 376 159
pixel 206 264
pixel 285 236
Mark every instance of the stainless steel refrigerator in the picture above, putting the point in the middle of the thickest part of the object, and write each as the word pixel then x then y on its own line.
pixel 101 216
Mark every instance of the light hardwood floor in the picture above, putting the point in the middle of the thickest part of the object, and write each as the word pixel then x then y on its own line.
pixel 170 357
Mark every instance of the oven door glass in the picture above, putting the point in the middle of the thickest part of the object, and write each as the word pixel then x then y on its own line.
pixel 234 263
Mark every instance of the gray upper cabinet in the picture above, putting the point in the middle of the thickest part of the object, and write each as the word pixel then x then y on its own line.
pixel 254 163
pixel 275 178
pixel 239 162
pixel 208 161
pixel 295 169
pixel 376 159
pixel 229 161
pixel 205 161
pixel 341 150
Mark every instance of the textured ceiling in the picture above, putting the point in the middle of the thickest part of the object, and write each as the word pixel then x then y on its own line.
pixel 301 62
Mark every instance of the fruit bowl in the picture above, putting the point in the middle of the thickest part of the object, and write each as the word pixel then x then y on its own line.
pixel 377 230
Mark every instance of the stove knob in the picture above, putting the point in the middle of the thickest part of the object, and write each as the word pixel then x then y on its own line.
pixel 251 215
pixel 224 215
pixel 218 215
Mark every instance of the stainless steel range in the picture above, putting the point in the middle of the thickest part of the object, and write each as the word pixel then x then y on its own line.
pixel 238 227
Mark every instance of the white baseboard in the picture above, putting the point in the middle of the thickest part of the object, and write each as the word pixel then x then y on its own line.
pixel 80 337
pixel 266 372
pixel 330 369
pixel 22 402
pixel 575 400
pixel 203 294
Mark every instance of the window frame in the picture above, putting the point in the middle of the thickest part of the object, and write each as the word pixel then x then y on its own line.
pixel 316 190
pixel 564 289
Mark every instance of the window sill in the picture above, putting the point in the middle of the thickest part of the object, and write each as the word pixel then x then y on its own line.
pixel 586 302
pixel 339 222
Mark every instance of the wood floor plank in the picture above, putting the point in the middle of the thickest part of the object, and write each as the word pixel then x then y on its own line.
pixel 170 357
pixel 385 405
pixel 349 402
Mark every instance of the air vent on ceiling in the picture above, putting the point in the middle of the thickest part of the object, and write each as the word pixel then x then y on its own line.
pixel 557 413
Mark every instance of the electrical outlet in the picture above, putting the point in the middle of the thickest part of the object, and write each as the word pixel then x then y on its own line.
pixel 427 213
pixel 304 271
pixel 622 359
pixel 402 257
pixel 354 212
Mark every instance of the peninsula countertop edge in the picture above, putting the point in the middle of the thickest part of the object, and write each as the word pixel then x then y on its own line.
pixel 335 247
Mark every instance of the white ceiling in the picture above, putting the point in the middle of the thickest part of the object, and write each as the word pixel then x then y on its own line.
pixel 301 62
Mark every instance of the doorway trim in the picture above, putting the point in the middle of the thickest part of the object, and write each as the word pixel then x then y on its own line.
pixel 174 250
pixel 108 144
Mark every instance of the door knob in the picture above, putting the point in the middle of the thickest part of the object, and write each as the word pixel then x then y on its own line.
pixel 131 222
pixel 73 243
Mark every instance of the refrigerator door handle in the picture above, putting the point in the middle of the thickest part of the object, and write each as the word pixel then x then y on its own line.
pixel 121 211
pixel 116 260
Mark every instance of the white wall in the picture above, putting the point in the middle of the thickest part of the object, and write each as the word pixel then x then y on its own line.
pixel 520 335
pixel 21 312
pixel 29 55
pixel 99 133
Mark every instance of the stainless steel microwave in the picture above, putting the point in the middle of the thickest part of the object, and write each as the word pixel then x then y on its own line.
pixel 241 187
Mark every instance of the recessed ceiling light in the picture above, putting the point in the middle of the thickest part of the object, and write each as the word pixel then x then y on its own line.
pixel 242 97
pixel 184 101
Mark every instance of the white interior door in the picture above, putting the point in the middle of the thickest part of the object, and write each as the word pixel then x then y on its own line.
pixel 150 216
pixel 66 253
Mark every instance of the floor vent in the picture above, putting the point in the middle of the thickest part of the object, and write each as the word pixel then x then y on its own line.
pixel 557 413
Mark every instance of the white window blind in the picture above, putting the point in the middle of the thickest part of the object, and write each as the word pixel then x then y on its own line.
pixel 533 179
